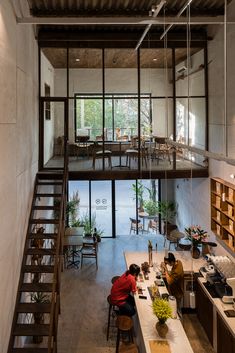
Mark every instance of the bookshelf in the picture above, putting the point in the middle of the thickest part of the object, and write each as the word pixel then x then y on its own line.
pixel 223 211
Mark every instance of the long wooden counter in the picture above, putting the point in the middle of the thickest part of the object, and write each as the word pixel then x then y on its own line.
pixel 146 331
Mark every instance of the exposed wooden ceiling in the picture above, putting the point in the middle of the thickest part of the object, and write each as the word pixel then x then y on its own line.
pixel 120 7
pixel 114 58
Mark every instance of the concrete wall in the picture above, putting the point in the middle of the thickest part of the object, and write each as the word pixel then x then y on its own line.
pixel 193 196
pixel 18 153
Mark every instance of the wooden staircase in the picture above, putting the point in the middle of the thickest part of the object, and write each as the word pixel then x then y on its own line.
pixel 35 321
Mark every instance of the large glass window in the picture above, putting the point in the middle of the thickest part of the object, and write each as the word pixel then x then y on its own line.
pixel 121 116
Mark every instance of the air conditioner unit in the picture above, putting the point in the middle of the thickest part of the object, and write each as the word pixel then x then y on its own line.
pixel 181 69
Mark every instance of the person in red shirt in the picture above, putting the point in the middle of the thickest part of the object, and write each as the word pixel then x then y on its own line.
pixel 123 290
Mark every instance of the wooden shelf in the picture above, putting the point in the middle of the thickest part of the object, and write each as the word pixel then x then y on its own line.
pixel 223 212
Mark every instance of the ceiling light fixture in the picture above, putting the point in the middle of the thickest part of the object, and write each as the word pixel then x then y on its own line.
pixel 154 59
pixel 155 11
pixel 232 176
pixel 77 59
pixel 178 15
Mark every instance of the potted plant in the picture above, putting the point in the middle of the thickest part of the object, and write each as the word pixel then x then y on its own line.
pixel 88 224
pixel 197 236
pixel 42 298
pixel 168 211
pixel 138 189
pixel 163 311
pixel 151 207
pixel 98 233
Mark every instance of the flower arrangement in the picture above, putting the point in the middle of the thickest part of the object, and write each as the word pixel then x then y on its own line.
pixel 162 309
pixel 196 234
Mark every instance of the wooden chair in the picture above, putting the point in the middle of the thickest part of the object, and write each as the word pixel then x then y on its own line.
pixel 161 149
pixel 136 225
pixel 133 153
pixel 98 153
pixel 89 250
pixel 153 224
pixel 82 144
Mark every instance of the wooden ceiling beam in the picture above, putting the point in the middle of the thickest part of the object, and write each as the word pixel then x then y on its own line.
pixel 102 21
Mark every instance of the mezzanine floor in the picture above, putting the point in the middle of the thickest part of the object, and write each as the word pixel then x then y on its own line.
pixel 84 312
pixel 119 164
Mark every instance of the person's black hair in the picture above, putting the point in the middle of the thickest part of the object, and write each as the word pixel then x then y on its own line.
pixel 133 270
pixel 170 258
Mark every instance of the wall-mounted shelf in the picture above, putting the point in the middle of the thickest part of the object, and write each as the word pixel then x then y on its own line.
pixel 223 211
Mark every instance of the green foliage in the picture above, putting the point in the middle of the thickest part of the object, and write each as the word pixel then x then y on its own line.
pixel 40 297
pixel 162 309
pixel 138 189
pixel 72 209
pixel 88 226
pixel 151 207
pixel 168 210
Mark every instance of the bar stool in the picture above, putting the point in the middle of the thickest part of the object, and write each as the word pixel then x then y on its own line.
pixel 112 309
pixel 125 325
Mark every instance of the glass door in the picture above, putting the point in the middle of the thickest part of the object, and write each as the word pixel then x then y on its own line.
pixel 53 133
pixel 101 206
pixel 125 203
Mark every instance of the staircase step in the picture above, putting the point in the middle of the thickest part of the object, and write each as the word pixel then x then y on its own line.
pixel 43 221
pixel 31 330
pixel 38 269
pixel 46 208
pixel 49 182
pixel 33 308
pixel 29 350
pixel 41 252
pixel 47 195
pixel 50 175
pixel 36 287
pixel 42 235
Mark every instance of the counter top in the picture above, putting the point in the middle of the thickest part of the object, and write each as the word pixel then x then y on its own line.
pixel 176 335
pixel 220 307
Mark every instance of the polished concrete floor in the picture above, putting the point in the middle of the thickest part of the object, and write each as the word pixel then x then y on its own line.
pixel 84 309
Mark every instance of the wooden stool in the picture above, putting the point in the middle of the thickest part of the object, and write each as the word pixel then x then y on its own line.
pixel 111 309
pixel 128 348
pixel 125 325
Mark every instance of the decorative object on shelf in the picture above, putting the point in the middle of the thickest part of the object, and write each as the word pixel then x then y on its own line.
pixel 150 251
pixel 163 311
pixel 197 236
pixel 145 267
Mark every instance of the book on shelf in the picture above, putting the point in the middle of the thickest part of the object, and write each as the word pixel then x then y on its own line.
pixel 218 229
pixel 218 216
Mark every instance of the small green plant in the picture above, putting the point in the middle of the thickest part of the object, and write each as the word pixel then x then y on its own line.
pixel 167 210
pixel 151 207
pixel 87 224
pixel 138 189
pixel 162 309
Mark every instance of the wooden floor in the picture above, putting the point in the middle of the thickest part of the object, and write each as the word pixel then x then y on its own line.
pixel 84 163
pixel 83 320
